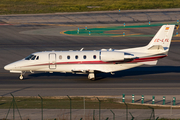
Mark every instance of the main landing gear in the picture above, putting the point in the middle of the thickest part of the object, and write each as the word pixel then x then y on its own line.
pixel 21 77
pixel 92 76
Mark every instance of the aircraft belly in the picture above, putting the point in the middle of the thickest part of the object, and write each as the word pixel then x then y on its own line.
pixel 96 67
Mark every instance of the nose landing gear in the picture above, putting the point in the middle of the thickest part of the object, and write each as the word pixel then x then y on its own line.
pixel 21 77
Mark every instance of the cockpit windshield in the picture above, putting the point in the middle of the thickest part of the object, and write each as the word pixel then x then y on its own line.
pixel 32 57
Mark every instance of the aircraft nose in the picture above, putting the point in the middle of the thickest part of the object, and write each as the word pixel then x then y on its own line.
pixel 7 67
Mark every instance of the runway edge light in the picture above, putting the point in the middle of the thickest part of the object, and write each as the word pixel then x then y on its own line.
pixel 132 98
pixel 123 99
pixel 174 101
pixel 153 99
pixel 142 99
pixel 164 100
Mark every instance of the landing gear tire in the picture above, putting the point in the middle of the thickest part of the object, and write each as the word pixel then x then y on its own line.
pixel 21 77
pixel 92 76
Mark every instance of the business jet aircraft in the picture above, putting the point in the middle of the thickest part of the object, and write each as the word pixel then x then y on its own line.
pixel 92 62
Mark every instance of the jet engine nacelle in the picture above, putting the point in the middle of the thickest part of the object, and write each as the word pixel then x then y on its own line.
pixel 109 56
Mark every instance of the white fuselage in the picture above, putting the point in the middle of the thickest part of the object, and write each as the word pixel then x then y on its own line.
pixel 81 61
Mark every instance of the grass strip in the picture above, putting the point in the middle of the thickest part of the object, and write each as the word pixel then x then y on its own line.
pixel 64 103
pixel 51 6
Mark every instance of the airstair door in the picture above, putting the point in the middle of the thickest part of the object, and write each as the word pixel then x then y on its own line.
pixel 52 61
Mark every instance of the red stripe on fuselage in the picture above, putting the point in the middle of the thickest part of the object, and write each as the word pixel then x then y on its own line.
pixel 102 62
pixel 147 59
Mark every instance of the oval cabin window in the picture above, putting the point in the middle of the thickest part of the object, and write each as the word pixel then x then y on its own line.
pixel 94 56
pixel 76 57
pixel 60 57
pixel 84 56
pixel 68 57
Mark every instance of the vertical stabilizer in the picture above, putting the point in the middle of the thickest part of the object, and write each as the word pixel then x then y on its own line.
pixel 163 37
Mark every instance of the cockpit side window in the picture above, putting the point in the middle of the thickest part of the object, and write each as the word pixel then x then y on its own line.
pixel 29 57
pixel 37 58
pixel 33 57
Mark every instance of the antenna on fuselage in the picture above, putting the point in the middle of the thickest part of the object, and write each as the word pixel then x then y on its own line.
pixel 81 49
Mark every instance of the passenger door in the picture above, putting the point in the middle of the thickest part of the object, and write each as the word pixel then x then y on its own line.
pixel 52 61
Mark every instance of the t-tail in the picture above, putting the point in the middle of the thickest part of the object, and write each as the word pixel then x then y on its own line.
pixel 162 39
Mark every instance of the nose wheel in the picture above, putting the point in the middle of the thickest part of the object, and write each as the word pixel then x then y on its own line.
pixel 21 77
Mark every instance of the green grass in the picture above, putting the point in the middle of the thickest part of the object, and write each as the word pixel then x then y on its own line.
pixel 64 103
pixel 51 6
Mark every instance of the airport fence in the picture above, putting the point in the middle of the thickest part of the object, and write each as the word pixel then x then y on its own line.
pixel 73 108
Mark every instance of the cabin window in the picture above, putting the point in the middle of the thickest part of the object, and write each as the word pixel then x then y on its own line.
pixel 76 57
pixel 84 56
pixel 37 58
pixel 94 56
pixel 60 57
pixel 68 57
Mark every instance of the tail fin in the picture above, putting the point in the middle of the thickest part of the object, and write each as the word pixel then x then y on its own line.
pixel 162 39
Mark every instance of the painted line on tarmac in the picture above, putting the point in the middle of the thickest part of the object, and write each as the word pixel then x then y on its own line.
pixel 175 40
pixel 5 24
pixel 45 88
pixel 126 35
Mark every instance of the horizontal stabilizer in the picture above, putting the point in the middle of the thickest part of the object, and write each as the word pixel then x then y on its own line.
pixel 150 62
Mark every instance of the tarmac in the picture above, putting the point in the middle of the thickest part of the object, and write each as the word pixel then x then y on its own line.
pixel 22 35
pixel 87 114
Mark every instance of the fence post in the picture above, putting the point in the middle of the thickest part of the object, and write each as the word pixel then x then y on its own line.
pixel 153 99
pixel 84 109
pixel 93 114
pixel 132 98
pixel 174 101
pixel 70 106
pixel 99 108
pixel 142 99
pixel 41 107
pixel 123 99
pixel 164 100
pixel 126 111
pixel 113 114
pixel 14 103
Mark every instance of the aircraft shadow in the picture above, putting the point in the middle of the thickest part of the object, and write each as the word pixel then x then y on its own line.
pixel 130 72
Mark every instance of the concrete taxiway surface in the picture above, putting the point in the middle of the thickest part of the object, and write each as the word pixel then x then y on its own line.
pixel 18 41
